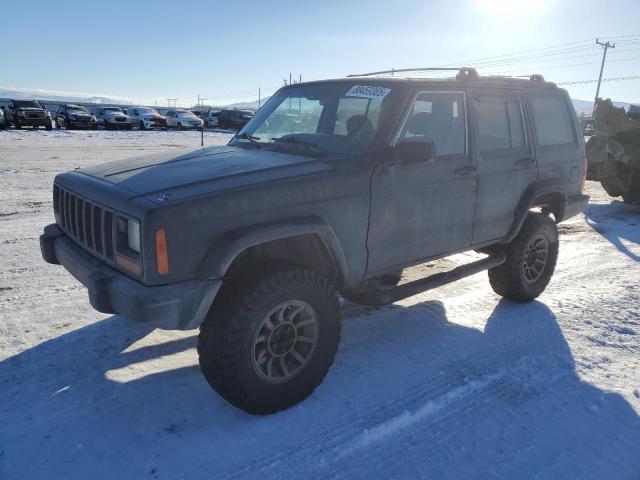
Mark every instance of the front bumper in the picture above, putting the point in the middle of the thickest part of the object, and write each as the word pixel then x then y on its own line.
pixel 83 124
pixel 178 306
pixel 34 122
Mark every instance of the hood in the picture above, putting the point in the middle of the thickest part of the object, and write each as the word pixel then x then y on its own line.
pixel 204 170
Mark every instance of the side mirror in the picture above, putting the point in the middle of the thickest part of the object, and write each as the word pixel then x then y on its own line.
pixel 408 152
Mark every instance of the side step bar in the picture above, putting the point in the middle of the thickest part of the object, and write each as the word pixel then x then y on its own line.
pixel 384 296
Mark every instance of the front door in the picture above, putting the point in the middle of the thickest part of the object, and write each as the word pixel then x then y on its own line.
pixel 424 208
pixel 506 167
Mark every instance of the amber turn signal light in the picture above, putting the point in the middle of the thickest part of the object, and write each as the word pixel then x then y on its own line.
pixel 162 254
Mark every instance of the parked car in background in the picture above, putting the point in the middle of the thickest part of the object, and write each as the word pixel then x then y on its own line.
pixel 197 113
pixel 27 113
pixel 112 117
pixel 3 122
pixel 72 116
pixel 183 119
pixel 588 129
pixel 210 118
pixel 146 117
pixel 235 119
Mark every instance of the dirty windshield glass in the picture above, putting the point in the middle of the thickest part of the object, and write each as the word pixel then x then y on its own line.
pixel 325 118
pixel 27 104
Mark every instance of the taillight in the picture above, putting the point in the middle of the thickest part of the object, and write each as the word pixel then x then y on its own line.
pixel 162 254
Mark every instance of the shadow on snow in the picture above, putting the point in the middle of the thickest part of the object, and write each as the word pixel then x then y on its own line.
pixel 410 394
pixel 617 222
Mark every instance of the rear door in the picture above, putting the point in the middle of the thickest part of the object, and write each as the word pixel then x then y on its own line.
pixel 506 161
pixel 424 208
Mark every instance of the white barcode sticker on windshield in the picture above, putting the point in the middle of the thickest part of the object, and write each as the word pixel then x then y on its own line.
pixel 367 91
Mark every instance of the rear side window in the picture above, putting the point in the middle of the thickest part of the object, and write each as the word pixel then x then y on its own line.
pixel 499 124
pixel 552 122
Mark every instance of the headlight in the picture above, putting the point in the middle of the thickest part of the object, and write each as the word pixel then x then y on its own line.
pixel 47 113
pixel 133 234
pixel 93 119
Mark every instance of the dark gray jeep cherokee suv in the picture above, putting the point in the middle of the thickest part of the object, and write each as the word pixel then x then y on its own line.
pixel 332 187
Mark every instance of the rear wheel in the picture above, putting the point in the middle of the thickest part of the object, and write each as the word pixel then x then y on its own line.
pixel 269 341
pixel 531 260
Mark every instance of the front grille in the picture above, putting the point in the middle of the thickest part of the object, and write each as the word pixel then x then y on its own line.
pixel 89 224
pixel 121 119
pixel 35 115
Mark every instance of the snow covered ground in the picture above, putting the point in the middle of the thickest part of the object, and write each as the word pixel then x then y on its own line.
pixel 454 383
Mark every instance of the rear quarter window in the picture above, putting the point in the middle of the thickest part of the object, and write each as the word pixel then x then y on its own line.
pixel 552 121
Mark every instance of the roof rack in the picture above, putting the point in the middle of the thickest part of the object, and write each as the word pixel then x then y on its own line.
pixel 463 72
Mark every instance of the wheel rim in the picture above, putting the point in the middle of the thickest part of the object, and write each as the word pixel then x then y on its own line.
pixel 535 258
pixel 284 341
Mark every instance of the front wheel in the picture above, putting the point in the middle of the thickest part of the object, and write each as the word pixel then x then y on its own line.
pixel 267 343
pixel 141 125
pixel 531 260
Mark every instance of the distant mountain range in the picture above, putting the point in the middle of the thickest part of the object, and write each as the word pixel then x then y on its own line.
pixel 583 107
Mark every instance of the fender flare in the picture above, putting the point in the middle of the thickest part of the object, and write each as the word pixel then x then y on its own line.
pixel 536 195
pixel 223 250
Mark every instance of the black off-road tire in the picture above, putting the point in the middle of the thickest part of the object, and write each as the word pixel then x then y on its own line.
pixel 48 126
pixel 226 340
pixel 510 279
pixel 632 193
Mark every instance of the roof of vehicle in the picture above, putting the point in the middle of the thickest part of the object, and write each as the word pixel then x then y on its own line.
pixel 465 76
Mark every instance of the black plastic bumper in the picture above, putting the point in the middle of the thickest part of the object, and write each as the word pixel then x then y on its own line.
pixel 575 205
pixel 178 306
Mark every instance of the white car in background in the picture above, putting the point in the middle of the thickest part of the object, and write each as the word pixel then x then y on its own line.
pixel 183 119
pixel 146 117
pixel 211 118
pixel 112 117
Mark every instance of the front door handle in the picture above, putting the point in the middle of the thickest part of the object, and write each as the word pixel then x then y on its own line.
pixel 466 170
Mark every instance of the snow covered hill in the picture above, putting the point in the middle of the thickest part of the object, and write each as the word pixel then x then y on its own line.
pixel 454 383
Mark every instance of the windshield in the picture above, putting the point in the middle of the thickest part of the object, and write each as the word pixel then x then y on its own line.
pixel 113 109
pixel 185 113
pixel 147 111
pixel 27 104
pixel 331 118
pixel 76 109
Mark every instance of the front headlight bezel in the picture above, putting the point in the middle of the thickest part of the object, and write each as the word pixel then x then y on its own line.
pixel 128 243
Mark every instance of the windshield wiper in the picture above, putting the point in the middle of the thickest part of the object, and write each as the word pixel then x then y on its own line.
pixel 297 141
pixel 251 138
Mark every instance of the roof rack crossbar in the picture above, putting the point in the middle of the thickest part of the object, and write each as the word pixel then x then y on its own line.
pixel 400 70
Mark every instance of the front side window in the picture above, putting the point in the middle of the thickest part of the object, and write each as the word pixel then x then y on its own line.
pixel 499 124
pixel 552 122
pixel 328 118
pixel 437 117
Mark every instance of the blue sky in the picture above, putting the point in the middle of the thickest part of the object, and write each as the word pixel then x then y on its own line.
pixel 151 50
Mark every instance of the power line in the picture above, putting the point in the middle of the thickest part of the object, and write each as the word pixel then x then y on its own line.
pixel 612 79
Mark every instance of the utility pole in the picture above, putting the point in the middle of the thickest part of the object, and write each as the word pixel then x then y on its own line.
pixel 605 46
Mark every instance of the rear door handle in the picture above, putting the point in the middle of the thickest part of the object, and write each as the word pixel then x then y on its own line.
pixel 466 170
pixel 525 161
